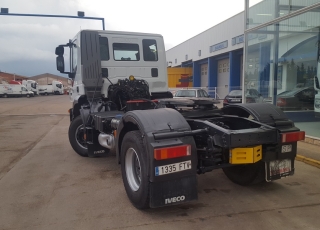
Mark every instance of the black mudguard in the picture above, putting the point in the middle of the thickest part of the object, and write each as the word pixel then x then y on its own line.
pixel 264 113
pixel 272 116
pixel 171 188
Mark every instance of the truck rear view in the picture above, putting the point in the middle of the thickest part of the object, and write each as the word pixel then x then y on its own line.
pixel 121 106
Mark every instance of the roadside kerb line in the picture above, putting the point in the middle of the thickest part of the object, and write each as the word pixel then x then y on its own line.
pixel 308 161
pixel 39 114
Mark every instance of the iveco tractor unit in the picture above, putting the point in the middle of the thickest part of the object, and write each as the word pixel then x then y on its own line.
pixel 121 105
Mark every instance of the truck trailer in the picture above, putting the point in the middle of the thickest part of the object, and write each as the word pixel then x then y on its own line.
pixel 121 106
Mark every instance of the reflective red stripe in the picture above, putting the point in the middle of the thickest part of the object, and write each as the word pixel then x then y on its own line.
pixel 293 136
pixel 172 152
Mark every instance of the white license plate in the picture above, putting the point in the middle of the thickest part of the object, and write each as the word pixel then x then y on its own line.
pixel 286 148
pixel 280 167
pixel 172 168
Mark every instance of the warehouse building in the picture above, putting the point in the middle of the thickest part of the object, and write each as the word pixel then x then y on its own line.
pixel 47 78
pixel 273 47
pixel 215 55
pixel 7 77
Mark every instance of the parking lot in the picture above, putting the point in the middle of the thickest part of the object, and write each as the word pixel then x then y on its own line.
pixel 44 184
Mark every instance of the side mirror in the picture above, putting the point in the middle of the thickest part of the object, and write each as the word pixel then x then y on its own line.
pixel 60 64
pixel 316 83
pixel 60 50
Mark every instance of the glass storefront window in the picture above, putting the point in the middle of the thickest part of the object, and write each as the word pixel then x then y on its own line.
pixel 262 11
pixel 281 61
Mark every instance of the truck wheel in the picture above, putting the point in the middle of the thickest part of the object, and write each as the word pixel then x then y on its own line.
pixel 28 95
pixel 246 174
pixel 5 95
pixel 46 94
pixel 76 137
pixel 134 169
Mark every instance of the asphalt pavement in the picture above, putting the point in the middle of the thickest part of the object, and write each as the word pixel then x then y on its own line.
pixel 44 184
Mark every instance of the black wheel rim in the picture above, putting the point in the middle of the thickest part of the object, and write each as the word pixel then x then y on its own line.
pixel 79 136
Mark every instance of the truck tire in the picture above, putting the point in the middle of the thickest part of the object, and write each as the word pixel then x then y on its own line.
pixel 5 95
pixel 46 94
pixel 28 95
pixel 76 137
pixel 246 174
pixel 134 169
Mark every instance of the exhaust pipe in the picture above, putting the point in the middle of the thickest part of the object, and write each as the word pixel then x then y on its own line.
pixel 106 140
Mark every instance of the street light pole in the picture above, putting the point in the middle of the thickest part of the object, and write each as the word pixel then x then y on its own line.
pixel 5 12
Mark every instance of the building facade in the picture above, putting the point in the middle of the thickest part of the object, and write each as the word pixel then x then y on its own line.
pixel 7 77
pixel 272 47
pixel 215 56
pixel 281 56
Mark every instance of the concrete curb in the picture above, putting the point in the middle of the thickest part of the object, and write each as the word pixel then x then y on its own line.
pixel 312 140
pixel 308 161
pixel 40 114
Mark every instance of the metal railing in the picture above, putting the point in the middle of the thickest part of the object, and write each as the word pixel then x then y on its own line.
pixel 212 91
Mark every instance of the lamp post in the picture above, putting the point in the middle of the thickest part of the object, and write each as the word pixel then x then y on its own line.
pixel 81 15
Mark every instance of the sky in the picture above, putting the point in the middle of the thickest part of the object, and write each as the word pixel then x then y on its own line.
pixel 27 44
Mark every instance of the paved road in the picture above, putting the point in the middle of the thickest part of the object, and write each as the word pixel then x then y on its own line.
pixel 48 186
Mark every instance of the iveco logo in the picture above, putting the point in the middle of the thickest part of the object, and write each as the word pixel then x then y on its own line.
pixel 97 152
pixel 174 199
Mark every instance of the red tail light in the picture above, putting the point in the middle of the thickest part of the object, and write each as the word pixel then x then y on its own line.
pixel 172 152
pixel 281 102
pixel 293 136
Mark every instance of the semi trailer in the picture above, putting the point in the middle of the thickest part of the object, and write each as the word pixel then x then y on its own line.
pixel 121 106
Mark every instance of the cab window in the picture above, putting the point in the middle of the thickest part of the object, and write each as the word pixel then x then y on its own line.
pixel 104 48
pixel 126 52
pixel 150 51
pixel 74 51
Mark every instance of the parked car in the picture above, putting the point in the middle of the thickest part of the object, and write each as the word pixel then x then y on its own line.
pixel 297 99
pixel 191 93
pixel 235 96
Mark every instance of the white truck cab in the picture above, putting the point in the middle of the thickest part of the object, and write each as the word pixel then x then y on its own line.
pixel 121 55
pixel 31 85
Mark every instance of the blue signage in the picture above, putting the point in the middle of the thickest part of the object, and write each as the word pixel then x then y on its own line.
pixel 237 40
pixel 219 46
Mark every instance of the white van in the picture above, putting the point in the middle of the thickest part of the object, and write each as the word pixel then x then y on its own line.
pixel 13 90
pixel 55 88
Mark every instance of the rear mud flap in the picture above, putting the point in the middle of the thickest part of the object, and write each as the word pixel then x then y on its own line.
pixel 173 192
pixel 94 148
